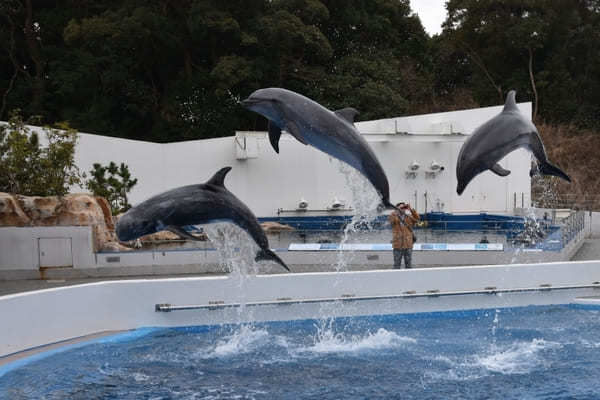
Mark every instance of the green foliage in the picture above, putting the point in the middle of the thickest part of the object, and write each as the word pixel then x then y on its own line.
pixel 175 70
pixel 558 40
pixel 113 187
pixel 30 169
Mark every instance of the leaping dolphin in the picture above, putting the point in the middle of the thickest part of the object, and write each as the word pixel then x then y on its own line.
pixel 191 205
pixel 331 132
pixel 497 137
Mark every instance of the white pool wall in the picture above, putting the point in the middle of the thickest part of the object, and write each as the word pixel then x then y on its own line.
pixel 41 317
pixel 21 257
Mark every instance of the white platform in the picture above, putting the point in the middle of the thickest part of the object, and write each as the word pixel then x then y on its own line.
pixel 41 317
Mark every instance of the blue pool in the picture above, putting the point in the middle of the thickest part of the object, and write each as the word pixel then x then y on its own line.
pixel 543 352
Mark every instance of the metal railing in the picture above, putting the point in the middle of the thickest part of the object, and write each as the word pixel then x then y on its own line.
pixel 572 226
pixel 507 230
pixel 286 301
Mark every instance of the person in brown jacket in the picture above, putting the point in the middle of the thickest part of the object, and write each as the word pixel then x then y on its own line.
pixel 403 222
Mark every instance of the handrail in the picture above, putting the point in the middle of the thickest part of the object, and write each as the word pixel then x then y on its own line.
pixel 216 305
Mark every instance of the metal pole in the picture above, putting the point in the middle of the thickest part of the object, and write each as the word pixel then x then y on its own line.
pixel 416 204
pixel 522 200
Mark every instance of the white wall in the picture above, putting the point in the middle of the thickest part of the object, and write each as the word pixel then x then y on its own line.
pixel 47 316
pixel 593 224
pixel 267 181
pixel 19 247
pixel 462 121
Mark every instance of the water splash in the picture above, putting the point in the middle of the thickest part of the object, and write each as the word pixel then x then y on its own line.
pixel 510 359
pixel 495 324
pixel 518 358
pixel 365 198
pixel 244 339
pixel 237 252
pixel 236 249
pixel 328 340
pixel 365 203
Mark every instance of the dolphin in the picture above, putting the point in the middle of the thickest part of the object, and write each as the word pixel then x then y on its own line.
pixel 497 137
pixel 190 205
pixel 332 132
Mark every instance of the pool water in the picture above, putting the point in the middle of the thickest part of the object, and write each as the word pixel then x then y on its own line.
pixel 544 352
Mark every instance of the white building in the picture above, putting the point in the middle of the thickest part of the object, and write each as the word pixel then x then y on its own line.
pixel 269 182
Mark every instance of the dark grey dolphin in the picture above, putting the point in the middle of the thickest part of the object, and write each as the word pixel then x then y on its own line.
pixel 190 205
pixel 499 136
pixel 331 132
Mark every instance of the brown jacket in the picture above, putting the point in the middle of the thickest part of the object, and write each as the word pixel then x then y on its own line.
pixel 402 226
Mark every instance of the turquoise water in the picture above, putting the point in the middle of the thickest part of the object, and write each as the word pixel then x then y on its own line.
pixel 549 352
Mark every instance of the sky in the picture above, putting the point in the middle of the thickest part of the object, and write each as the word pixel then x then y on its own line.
pixel 432 14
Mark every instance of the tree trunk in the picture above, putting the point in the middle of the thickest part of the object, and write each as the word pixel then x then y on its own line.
pixel 39 83
pixel 11 83
pixel 535 94
pixel 479 62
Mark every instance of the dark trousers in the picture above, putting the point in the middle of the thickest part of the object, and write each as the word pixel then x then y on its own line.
pixel 398 254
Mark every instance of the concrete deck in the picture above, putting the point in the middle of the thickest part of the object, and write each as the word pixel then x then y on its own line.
pixel 590 250
pixel 27 285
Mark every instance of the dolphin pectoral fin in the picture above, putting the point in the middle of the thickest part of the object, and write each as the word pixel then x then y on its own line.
pixel 498 170
pixel 182 233
pixel 274 135
pixel 347 114
pixel 266 254
pixel 549 169
pixel 293 129
pixel 219 178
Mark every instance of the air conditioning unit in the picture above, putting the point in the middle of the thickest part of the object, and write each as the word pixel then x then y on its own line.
pixel 336 204
pixel 436 166
pixel 302 204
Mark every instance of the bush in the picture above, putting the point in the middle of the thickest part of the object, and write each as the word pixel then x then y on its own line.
pixel 28 168
pixel 113 188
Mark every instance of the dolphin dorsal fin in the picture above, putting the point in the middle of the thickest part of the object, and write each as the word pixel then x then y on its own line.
pixel 510 104
pixel 219 178
pixel 347 114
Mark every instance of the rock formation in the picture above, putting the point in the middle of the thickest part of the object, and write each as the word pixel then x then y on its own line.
pixel 80 209
pixel 83 209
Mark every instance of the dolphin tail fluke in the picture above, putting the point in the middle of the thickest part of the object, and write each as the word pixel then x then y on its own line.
pixel 549 169
pixel 389 206
pixel 266 254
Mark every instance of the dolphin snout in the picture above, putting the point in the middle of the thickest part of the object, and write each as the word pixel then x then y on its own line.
pixel 128 228
pixel 123 231
pixel 249 102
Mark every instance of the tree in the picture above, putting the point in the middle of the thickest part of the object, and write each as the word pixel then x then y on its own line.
pixel 175 70
pixel 545 49
pixel 30 169
pixel 113 188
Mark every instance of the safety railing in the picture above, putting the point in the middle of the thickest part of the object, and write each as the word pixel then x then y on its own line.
pixel 572 226
pixel 507 230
